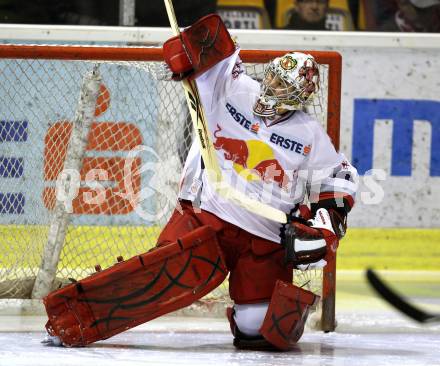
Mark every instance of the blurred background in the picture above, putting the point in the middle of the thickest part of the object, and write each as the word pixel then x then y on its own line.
pixel 332 15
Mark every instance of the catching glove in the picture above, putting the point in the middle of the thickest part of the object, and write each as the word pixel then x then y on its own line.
pixel 198 48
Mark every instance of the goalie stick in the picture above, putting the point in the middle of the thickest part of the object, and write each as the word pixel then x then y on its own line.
pixel 207 150
pixel 398 301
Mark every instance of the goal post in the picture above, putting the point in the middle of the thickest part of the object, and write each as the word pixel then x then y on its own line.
pixel 138 138
pixel 72 165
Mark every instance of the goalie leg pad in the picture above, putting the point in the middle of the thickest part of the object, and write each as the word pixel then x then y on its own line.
pixel 285 319
pixel 137 290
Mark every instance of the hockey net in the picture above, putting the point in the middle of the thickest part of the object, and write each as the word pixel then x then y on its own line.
pixel 101 179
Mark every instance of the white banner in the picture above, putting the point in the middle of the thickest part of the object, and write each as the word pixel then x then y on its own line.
pixel 390 128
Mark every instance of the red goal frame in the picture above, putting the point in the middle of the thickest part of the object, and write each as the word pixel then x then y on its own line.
pixel 107 53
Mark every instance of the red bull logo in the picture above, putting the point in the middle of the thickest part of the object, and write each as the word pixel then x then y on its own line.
pixel 272 171
pixel 252 159
pixel 234 149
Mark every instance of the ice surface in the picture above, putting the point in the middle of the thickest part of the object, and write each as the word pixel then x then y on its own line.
pixel 369 333
pixel 379 338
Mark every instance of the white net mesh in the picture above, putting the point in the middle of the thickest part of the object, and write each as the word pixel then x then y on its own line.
pixel 127 186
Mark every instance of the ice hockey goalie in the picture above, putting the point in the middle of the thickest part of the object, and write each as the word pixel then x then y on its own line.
pixel 264 143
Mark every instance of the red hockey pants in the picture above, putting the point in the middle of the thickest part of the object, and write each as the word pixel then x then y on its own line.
pixel 254 263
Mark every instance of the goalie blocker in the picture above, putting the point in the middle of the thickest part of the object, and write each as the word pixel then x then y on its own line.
pixel 137 290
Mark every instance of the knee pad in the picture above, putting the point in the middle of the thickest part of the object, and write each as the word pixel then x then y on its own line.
pixel 246 341
pixel 249 317
pixel 285 319
pixel 135 291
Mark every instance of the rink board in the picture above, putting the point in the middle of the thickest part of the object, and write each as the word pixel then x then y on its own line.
pixel 394 249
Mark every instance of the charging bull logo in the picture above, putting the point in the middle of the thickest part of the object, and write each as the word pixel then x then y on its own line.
pixel 252 159
pixel 272 171
pixel 234 149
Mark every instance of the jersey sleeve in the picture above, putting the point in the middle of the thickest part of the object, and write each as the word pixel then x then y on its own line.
pixel 191 179
pixel 331 179
pixel 212 85
pixel 217 82
pixel 338 189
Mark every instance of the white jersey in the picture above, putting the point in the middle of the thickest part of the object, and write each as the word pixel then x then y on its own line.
pixel 273 163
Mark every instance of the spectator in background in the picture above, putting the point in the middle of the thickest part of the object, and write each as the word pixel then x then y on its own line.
pixel 414 16
pixel 320 15
pixel 367 14
pixel 309 15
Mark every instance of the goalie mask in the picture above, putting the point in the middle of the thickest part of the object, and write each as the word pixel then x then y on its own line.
pixel 289 84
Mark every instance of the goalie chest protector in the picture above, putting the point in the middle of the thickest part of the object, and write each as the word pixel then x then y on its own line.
pixel 135 291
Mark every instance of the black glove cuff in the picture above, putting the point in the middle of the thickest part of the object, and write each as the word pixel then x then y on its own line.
pixel 338 214
pixel 343 208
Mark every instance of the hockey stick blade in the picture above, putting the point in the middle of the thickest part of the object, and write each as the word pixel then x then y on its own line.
pixel 398 301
